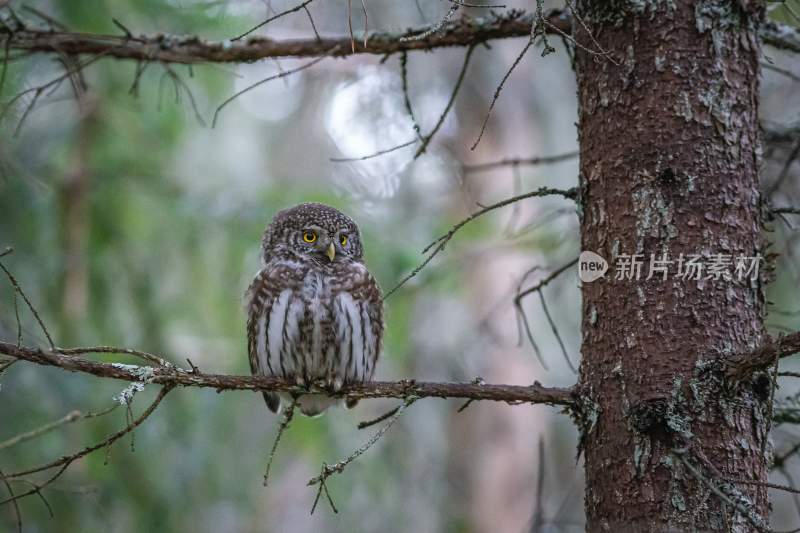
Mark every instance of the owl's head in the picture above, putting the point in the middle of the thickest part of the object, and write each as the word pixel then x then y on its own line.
pixel 312 231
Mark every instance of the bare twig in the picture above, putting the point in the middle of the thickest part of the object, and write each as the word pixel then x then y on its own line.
pixel 54 24
pixel 775 486
pixel 481 6
pixel 33 310
pixel 784 72
pixel 146 356
pixel 64 462
pixel 16 316
pixel 780 460
pixel 439 244
pixel 366 21
pixel 786 211
pixel 377 420
pixel 372 155
pixel 270 19
pixel 555 332
pixel 538 509
pixel 524 318
pixel 568 38
pixel 6 51
pixel 516 209
pixel 499 89
pixel 771 404
pixel 427 138
pixel 286 418
pixel 121 26
pixel 39 90
pixel 22 437
pixel 438 27
pixel 350 25
pixel 755 520
pixel 13 499
pixel 406 98
pixel 518 162
pixel 323 487
pixel 477 381
pixel 311 20
pixel 261 82
pixel 180 84
pixel 338 468
pixel 787 165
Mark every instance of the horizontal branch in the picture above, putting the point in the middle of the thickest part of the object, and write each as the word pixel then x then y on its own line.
pixel 781 36
pixel 466 31
pixel 171 375
pixel 785 211
pixel 742 365
pixel 520 161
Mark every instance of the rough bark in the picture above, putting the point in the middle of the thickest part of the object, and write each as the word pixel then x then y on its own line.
pixel 669 163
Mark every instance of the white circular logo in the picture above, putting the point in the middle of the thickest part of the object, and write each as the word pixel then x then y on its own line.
pixel 591 266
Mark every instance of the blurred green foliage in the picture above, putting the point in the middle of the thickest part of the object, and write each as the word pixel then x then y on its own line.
pixel 169 226
pixel 166 267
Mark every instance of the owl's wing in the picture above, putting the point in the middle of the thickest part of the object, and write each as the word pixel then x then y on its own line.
pixel 259 300
pixel 373 303
pixel 367 304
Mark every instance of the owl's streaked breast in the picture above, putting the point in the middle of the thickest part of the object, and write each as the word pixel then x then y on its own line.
pixel 308 324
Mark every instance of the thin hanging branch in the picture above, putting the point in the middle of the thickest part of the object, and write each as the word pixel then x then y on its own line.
pixel 338 468
pixel 286 418
pixel 439 244
pixel 522 317
pixel 456 88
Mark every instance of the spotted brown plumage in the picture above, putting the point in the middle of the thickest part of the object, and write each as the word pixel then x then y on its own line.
pixel 315 313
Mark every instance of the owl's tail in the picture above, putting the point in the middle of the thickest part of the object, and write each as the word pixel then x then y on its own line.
pixel 310 405
pixel 315 404
pixel 273 401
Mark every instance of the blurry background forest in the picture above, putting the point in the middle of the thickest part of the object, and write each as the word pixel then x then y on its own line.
pixel 136 224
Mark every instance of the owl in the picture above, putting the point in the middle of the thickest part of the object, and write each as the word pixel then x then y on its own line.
pixel 315 313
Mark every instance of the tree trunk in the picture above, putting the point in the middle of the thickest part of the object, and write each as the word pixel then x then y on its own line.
pixel 669 165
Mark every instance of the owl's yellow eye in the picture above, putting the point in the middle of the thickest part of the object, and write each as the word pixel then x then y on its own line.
pixel 343 240
pixel 309 236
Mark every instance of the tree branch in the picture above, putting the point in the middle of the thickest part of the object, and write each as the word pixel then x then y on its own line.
pixel 742 365
pixel 781 36
pixel 465 31
pixel 535 393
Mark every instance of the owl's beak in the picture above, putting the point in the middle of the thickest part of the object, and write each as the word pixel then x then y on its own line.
pixel 330 252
